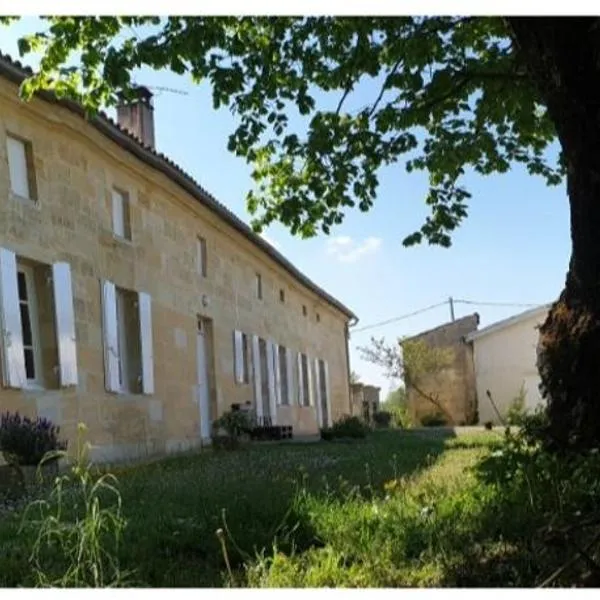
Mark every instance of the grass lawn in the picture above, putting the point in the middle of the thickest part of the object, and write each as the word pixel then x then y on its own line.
pixel 356 513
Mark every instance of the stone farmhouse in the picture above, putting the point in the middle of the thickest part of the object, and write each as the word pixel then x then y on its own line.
pixel 133 301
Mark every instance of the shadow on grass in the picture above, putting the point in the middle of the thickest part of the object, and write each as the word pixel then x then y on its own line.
pixel 174 507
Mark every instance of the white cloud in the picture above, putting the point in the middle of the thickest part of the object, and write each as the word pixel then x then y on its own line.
pixel 346 250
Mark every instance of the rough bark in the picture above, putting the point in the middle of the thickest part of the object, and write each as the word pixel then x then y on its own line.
pixel 563 57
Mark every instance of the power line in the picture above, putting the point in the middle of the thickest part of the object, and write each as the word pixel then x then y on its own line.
pixel 400 318
pixel 511 304
pixel 450 301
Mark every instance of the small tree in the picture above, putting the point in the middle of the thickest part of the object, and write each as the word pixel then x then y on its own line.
pixel 412 361
pixel 354 377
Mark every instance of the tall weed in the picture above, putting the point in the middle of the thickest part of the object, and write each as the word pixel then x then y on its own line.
pixel 78 529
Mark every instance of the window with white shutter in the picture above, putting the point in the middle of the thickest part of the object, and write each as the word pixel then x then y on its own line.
pixel 20 167
pixel 65 324
pixel 282 355
pixel 146 345
pixel 290 376
pixel 128 345
pixel 13 361
pixel 241 357
pixel 38 322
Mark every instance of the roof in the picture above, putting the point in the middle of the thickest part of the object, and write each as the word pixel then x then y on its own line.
pixel 16 72
pixel 514 320
pixel 456 323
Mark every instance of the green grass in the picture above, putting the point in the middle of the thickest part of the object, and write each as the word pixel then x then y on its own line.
pixel 393 509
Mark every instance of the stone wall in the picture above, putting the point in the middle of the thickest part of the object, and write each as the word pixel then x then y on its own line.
pixel 454 386
pixel 75 169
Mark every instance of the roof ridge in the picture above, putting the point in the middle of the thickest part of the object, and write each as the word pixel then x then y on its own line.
pixel 16 71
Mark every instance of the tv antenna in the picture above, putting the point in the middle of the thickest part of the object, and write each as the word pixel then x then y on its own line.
pixel 161 88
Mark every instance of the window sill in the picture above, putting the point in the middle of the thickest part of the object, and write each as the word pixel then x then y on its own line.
pixel 122 240
pixel 31 202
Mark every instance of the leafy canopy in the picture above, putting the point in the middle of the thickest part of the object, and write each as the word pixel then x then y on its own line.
pixel 451 96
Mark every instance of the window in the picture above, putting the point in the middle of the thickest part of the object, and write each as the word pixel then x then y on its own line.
pixel 201 256
pixel 281 296
pixel 304 382
pixel 284 385
pixel 259 290
pixel 29 325
pixel 304 312
pixel 39 324
pixel 241 357
pixel 318 318
pixel 20 167
pixel 120 214
pixel 127 340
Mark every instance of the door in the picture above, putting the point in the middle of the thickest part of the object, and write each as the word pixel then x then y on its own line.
pixel 203 384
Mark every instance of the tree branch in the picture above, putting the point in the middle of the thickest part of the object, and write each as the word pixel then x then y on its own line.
pixel 383 86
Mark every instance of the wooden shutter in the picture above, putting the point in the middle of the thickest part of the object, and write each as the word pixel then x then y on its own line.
pixel 327 393
pixel 238 356
pixel 271 381
pixel 311 391
pixel 146 345
pixel 111 336
pixel 301 399
pixel 13 371
pixel 17 167
pixel 257 377
pixel 64 314
pixel 289 363
pixel 317 394
pixel 277 366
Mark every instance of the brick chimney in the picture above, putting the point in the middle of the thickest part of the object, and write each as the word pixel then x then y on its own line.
pixel 137 115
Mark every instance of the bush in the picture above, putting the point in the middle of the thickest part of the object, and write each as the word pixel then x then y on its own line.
pixel 516 411
pixel 488 425
pixel 346 427
pixel 26 441
pixel 433 420
pixel 382 418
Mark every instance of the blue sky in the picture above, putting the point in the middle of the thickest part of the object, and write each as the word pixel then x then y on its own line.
pixel 513 248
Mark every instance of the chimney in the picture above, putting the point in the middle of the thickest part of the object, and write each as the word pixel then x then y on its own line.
pixel 137 115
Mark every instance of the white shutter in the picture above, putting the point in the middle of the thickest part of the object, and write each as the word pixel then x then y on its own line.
pixel 13 370
pixel 327 394
pixel 257 377
pixel 290 376
pixel 118 213
pixel 238 355
pixel 311 391
pixel 319 405
pixel 111 336
pixel 277 365
pixel 17 167
pixel 271 376
pixel 64 314
pixel 145 308
pixel 300 381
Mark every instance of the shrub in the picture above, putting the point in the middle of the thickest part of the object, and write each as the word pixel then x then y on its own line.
pixel 25 441
pixel 433 420
pixel 488 425
pixel 516 411
pixel 346 427
pixel 235 423
pixel 382 418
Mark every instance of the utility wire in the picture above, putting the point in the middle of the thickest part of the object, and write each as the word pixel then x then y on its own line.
pixel 444 303
pixel 515 304
pixel 400 318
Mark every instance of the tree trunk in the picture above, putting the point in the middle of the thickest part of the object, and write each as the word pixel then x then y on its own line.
pixel 563 57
